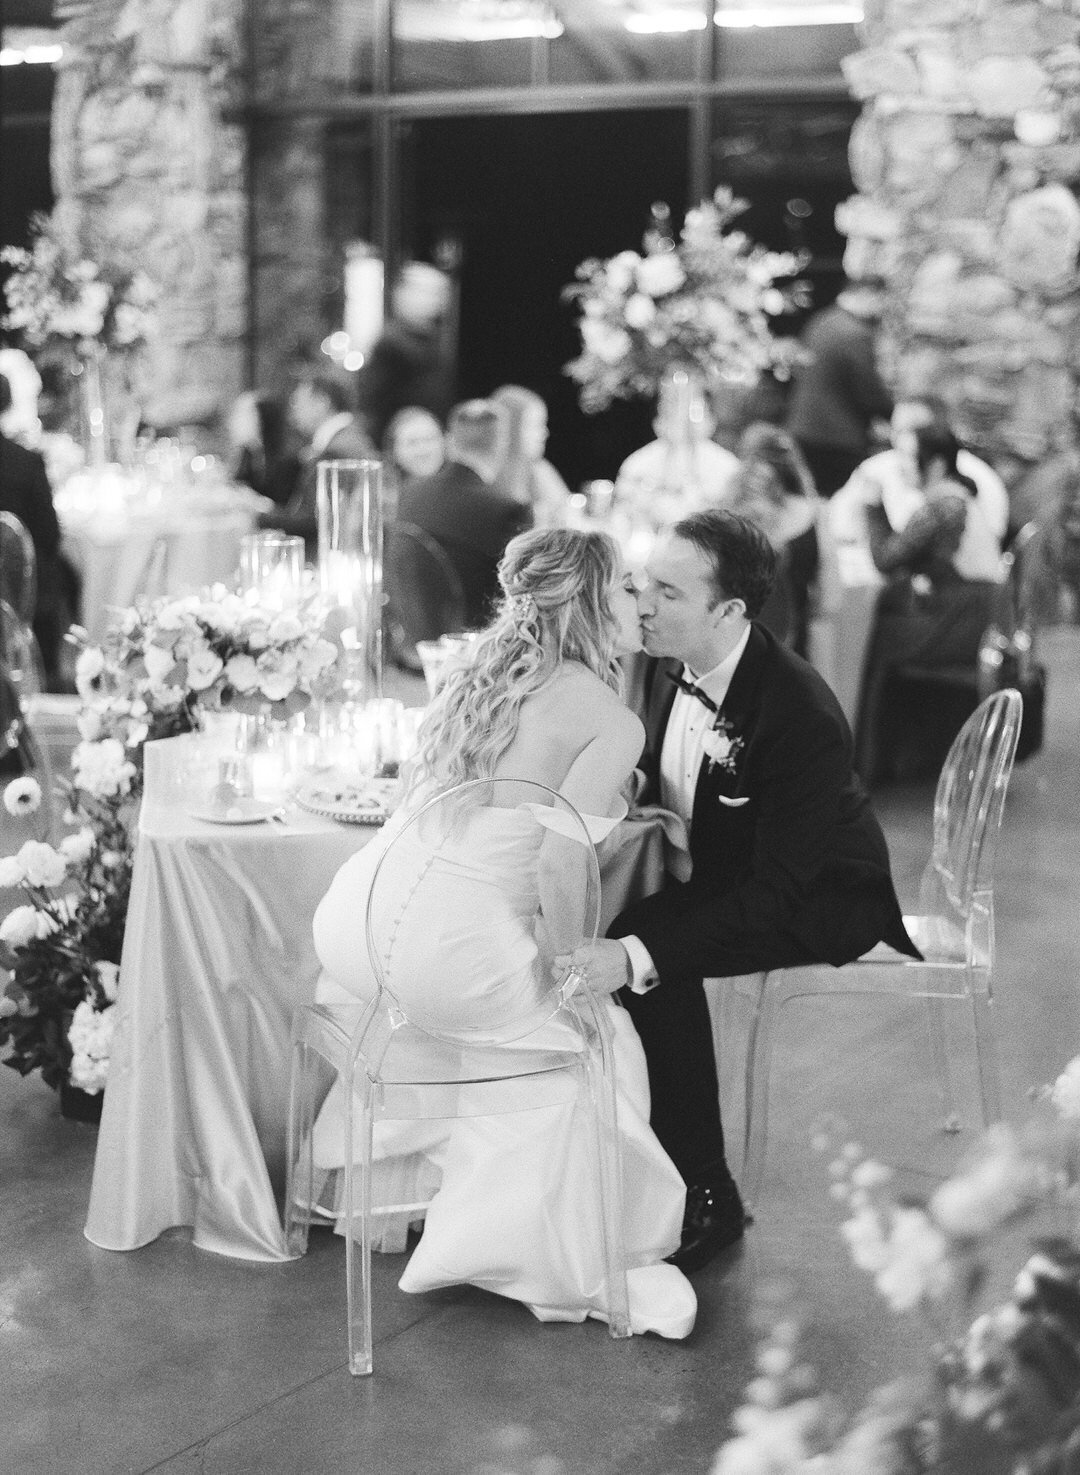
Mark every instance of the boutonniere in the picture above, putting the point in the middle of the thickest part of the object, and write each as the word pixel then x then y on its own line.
pixel 721 746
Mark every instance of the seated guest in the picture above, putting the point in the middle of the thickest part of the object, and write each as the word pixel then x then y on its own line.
pixel 929 613
pixel 676 474
pixel 319 410
pixel 774 489
pixel 890 479
pixel 257 429
pixel 465 508
pixel 414 446
pixel 410 362
pixel 525 473
pixel 25 491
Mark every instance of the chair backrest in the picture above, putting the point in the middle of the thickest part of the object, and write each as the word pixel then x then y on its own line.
pixel 475 896
pixel 424 593
pixel 970 798
pixel 18 566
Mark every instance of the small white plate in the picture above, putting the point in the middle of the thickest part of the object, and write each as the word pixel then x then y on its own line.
pixel 242 812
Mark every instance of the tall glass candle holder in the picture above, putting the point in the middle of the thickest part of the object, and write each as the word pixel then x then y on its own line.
pixel 349 496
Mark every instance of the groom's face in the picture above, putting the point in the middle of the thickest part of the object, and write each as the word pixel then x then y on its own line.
pixel 679 610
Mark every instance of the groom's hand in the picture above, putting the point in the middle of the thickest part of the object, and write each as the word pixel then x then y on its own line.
pixel 605 965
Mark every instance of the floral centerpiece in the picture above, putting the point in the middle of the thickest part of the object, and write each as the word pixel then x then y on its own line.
pixel 703 304
pixel 95 315
pixel 160 668
pixel 1003 1392
pixel 55 296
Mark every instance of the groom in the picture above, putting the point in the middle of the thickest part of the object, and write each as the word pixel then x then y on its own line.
pixel 789 866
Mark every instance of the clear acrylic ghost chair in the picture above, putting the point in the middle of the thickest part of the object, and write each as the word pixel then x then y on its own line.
pixel 444 1056
pixel 21 684
pixel 18 566
pixel 954 930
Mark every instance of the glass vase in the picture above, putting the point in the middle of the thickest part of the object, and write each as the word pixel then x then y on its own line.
pixel 93 408
pixel 349 499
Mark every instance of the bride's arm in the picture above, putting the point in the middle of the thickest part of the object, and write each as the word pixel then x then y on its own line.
pixel 592 786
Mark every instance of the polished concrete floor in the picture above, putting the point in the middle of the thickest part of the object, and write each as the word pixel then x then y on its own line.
pixel 172 1360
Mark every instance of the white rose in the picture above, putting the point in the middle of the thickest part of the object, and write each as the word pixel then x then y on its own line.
pixel 1065 1092
pixel 607 343
pixel 23 924
pixel 242 673
pixel 277 685
pixel 159 663
pixel 22 796
pixel 90 724
pixel 11 872
pixel 285 627
pixel 171 617
pixel 999 1184
pixel 204 668
pixel 78 847
pixel 102 768
pixel 137 733
pixel 42 865
pixel 658 275
pixel 88 671
pixel 639 311
pixel 90 1036
pixel 620 271
pixel 108 975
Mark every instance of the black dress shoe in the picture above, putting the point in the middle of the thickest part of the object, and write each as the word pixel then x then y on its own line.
pixel 715 1219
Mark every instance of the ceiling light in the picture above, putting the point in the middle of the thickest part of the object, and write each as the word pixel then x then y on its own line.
pixel 14 56
pixel 481 20
pixel 666 22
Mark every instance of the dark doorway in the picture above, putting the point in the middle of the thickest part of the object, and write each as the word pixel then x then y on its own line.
pixel 529 198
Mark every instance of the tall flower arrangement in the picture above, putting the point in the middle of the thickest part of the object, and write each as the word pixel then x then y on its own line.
pixel 1003 1392
pixel 159 669
pixel 55 296
pixel 703 303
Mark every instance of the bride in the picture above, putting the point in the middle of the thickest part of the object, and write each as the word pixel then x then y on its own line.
pixel 536 698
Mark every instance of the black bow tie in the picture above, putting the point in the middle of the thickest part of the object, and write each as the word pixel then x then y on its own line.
pixel 692 690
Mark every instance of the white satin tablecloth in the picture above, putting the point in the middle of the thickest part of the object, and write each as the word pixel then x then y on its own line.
pixel 218 954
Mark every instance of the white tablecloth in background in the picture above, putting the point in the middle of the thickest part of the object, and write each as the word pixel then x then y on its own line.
pixel 217 956
pixel 173 548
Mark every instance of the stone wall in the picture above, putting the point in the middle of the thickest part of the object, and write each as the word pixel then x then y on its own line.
pixel 145 169
pixel 967 161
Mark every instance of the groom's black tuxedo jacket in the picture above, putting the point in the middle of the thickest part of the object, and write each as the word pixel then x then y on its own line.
pixel 800 871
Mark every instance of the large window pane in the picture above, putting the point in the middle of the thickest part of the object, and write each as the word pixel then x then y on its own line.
pixel 449 44
pixel 625 41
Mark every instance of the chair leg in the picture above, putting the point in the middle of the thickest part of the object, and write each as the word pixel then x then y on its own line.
pixel 600 1084
pixel 300 1153
pixel 982 1005
pixel 759 1053
pixel 935 1025
pixel 358 1258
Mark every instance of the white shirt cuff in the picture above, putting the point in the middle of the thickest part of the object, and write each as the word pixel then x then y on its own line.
pixel 643 973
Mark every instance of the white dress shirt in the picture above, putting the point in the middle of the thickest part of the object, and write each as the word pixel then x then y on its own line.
pixel 681 757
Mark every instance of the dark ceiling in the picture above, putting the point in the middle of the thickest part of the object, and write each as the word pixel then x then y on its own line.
pixel 26 12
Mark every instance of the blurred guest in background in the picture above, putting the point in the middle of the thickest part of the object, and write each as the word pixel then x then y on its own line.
pixel 682 471
pixel 414 446
pixel 525 473
pixel 839 397
pixel 410 361
pixel 465 508
pixel 929 613
pixel 261 458
pixel 891 480
pixel 25 491
pixel 319 410
pixel 774 489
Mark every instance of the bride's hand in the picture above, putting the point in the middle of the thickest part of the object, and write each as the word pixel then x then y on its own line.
pixel 603 965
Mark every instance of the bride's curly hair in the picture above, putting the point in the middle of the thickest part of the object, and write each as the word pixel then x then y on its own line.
pixel 556 607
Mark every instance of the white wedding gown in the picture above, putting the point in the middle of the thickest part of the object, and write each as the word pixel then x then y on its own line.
pixel 513 1199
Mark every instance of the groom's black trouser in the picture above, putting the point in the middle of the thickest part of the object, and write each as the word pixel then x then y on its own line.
pixel 675 1027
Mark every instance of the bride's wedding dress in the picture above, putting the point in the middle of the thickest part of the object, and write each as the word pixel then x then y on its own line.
pixel 515 1206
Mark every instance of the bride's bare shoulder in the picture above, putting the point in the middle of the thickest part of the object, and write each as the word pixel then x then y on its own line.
pixel 587 703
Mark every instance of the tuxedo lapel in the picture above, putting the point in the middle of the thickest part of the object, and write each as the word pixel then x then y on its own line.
pixel 659 700
pixel 738 712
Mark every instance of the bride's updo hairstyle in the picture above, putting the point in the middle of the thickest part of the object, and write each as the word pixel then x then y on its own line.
pixel 556 585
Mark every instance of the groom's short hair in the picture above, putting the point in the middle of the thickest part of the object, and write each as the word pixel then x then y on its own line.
pixel 743 560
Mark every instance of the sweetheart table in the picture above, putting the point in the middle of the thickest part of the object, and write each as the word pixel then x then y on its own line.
pixel 217 956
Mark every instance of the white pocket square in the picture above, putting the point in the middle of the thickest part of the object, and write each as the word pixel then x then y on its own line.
pixel 733 803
